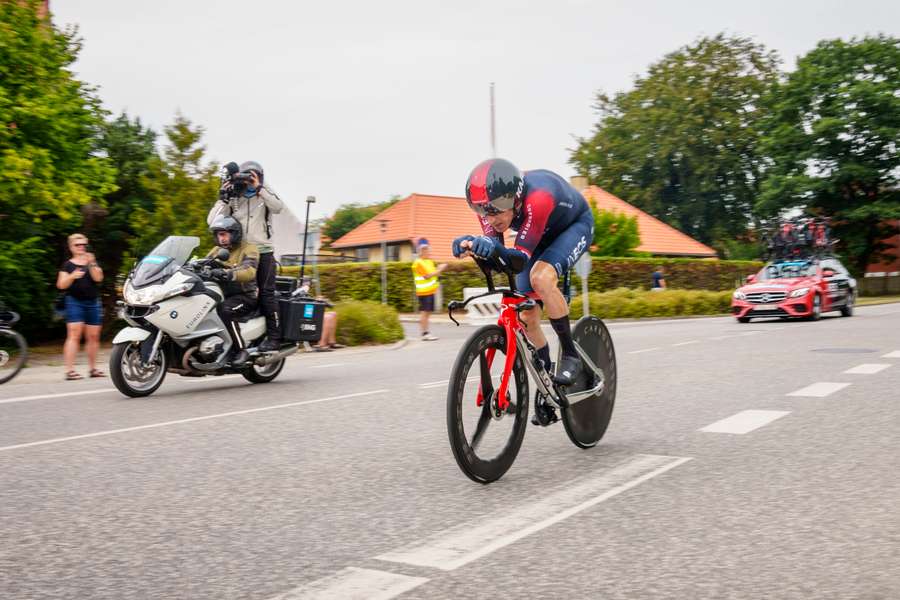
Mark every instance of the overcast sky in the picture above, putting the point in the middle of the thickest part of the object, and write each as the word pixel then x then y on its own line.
pixel 356 101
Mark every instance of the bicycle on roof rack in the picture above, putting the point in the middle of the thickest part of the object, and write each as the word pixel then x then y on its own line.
pixel 487 412
pixel 13 349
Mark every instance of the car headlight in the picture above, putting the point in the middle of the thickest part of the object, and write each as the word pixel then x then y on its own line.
pixel 739 295
pixel 799 292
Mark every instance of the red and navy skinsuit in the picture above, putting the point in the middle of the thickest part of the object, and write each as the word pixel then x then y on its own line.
pixel 555 225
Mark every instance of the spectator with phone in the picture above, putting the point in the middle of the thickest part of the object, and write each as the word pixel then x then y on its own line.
pixel 80 278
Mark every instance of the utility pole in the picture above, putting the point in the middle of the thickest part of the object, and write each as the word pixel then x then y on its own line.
pixel 309 200
pixel 383 223
pixel 493 125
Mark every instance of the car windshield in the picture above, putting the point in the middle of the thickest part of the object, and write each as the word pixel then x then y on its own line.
pixel 164 260
pixel 787 270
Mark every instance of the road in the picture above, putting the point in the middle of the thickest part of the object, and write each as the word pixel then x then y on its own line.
pixel 337 479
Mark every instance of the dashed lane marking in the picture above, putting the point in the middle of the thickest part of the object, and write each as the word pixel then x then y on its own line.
pixel 182 421
pixel 687 343
pixel 353 583
pixel 644 350
pixel 61 395
pixel 745 421
pixel 867 369
pixel 465 543
pixel 894 354
pixel 819 389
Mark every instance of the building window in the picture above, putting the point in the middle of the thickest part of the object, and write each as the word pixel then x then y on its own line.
pixel 362 254
pixel 393 253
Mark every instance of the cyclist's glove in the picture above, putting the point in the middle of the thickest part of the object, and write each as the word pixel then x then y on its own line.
pixel 457 244
pixel 484 247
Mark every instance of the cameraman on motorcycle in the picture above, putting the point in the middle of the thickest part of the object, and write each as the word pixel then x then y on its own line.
pixel 246 197
pixel 238 280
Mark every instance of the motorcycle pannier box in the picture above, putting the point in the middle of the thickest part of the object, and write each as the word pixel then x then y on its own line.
pixel 301 319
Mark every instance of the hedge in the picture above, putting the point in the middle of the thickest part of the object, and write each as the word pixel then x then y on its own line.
pixel 624 303
pixel 367 322
pixel 362 281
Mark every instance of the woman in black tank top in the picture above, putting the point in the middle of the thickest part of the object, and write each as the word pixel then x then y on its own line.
pixel 80 278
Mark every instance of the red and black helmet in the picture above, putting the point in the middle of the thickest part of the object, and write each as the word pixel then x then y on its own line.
pixel 493 186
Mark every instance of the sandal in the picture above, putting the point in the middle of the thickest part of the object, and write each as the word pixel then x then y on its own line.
pixel 73 375
pixel 336 346
pixel 97 373
pixel 321 349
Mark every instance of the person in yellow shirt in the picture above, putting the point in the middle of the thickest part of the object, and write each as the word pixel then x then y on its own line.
pixel 426 274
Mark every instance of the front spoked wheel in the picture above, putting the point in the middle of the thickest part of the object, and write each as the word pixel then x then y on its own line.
pixel 485 438
pixel 13 354
pixel 586 420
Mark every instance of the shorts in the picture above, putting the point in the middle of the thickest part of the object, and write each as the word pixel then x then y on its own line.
pixel 88 312
pixel 562 251
pixel 426 303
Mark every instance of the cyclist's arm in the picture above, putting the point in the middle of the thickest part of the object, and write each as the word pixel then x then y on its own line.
pixel 538 206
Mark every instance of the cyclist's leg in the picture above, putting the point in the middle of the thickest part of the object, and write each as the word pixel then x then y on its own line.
pixel 552 264
pixel 532 318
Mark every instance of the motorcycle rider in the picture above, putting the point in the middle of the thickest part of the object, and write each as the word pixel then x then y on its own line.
pixel 238 280
pixel 252 208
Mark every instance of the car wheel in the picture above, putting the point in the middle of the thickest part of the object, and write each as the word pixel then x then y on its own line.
pixel 816 313
pixel 847 309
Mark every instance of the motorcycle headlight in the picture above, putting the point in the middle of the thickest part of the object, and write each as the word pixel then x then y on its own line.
pixel 799 292
pixel 739 295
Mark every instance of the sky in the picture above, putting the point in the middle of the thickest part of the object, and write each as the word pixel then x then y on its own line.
pixel 355 101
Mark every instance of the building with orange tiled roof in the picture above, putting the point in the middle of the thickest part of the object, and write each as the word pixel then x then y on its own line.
pixel 440 219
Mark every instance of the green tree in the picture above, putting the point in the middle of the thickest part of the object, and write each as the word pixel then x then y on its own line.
pixel 49 166
pixel 350 216
pixel 131 149
pixel 184 187
pixel 834 137
pixel 615 233
pixel 683 144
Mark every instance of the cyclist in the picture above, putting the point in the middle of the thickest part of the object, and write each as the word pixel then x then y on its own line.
pixel 555 226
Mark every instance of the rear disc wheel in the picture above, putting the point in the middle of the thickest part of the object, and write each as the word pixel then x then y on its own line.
pixel 586 421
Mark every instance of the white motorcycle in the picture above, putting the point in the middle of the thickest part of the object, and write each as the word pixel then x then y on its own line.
pixel 171 307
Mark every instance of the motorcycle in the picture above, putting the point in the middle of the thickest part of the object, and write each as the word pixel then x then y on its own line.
pixel 170 304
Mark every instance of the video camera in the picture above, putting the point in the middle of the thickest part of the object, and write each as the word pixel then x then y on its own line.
pixel 234 182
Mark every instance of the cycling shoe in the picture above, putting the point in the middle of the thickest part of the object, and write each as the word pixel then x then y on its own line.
pixel 568 370
pixel 544 413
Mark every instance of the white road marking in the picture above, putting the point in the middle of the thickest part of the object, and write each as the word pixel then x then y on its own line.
pixel 190 420
pixel 462 544
pixel 867 369
pixel 894 354
pixel 687 342
pixel 745 421
pixel 644 350
pixel 720 337
pixel 819 389
pixel 353 583
pixel 61 395
pixel 750 333
pixel 432 384
pixel 328 366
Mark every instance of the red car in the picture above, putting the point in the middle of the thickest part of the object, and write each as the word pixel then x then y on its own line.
pixel 804 288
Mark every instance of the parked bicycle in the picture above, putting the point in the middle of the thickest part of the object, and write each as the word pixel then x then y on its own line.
pixel 13 349
pixel 487 411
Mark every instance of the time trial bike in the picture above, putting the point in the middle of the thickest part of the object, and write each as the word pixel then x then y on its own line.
pixel 488 396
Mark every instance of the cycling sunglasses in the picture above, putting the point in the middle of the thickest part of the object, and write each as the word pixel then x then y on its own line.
pixel 497 206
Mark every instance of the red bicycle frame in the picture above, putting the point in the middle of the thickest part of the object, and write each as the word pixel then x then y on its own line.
pixel 509 321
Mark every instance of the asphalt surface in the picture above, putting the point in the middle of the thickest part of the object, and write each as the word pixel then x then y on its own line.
pixel 337 479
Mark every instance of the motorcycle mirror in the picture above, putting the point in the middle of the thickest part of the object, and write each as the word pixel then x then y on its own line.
pixel 223 255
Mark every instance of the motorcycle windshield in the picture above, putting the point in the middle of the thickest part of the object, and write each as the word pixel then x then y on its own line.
pixel 164 260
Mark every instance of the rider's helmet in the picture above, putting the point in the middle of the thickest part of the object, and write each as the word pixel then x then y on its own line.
pixel 252 165
pixel 229 224
pixel 493 186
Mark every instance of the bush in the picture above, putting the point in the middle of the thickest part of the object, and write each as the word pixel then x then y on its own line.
pixel 367 322
pixel 624 303
pixel 362 281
